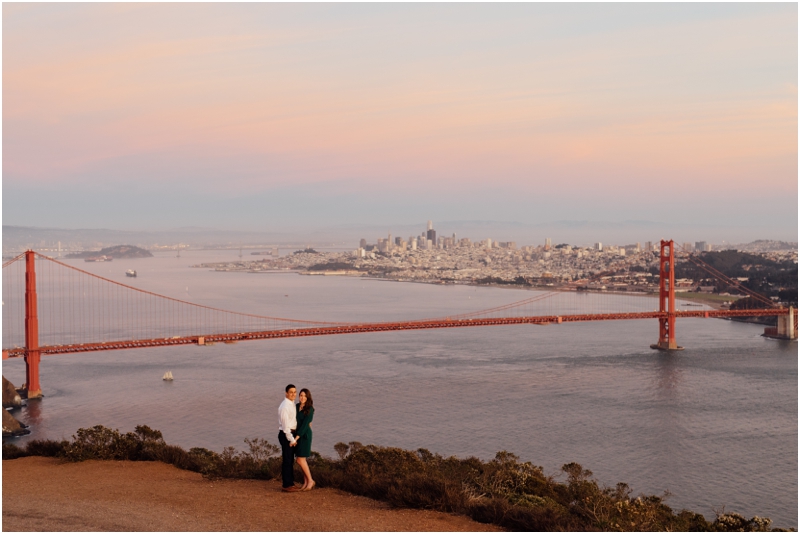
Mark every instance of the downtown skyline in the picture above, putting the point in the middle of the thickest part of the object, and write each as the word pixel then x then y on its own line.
pixel 307 116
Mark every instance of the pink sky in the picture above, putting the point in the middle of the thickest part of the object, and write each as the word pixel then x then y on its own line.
pixel 244 99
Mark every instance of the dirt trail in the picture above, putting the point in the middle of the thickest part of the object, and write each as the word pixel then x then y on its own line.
pixel 45 494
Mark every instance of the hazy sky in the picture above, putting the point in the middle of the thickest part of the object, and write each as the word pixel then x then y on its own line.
pixel 136 116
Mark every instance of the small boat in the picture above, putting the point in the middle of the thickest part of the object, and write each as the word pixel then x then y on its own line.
pixel 167 376
pixel 99 258
pixel 131 273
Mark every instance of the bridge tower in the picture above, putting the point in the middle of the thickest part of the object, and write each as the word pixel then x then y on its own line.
pixel 32 354
pixel 666 298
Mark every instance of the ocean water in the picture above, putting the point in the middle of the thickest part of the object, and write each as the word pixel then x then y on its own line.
pixel 714 425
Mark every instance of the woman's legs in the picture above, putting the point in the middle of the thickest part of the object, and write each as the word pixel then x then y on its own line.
pixel 308 482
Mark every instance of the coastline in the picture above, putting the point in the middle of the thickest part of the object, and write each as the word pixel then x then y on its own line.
pixel 711 300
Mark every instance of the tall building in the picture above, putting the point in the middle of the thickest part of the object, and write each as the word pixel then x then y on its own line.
pixel 431 234
pixel 547 244
pixel 362 243
pixel 598 246
pixel 700 246
pixel 430 225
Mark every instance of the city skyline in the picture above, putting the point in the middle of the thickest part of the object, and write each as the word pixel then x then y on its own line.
pixel 275 116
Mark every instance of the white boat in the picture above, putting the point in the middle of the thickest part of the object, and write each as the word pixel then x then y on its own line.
pixel 131 273
pixel 167 376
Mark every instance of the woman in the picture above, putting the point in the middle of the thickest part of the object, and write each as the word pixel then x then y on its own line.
pixel 305 414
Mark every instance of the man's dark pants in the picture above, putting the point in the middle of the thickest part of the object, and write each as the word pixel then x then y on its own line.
pixel 287 469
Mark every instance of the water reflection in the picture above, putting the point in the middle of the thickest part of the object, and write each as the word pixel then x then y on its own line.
pixel 669 374
pixel 33 412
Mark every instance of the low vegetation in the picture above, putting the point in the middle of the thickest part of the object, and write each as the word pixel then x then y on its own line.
pixel 504 491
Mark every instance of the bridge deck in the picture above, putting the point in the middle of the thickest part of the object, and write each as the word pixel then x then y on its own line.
pixel 202 339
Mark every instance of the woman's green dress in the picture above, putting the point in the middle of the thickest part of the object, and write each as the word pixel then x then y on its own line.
pixel 304 432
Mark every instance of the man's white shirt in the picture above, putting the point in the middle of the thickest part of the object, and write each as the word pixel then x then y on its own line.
pixel 287 417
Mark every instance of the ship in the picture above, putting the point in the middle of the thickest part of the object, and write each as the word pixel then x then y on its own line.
pixel 167 376
pixel 99 258
pixel 131 273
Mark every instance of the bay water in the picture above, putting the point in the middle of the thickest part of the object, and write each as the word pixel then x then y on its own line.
pixel 715 425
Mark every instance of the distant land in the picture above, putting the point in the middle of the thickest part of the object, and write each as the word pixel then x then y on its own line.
pixel 116 252
pixel 344 237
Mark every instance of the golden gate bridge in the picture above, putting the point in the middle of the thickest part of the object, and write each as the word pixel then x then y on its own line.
pixel 61 309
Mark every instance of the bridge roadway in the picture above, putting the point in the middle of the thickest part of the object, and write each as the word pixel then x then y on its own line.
pixel 355 328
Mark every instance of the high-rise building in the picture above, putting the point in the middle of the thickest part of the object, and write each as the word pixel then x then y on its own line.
pixel 430 225
pixel 598 246
pixel 431 234
pixel 648 246
pixel 547 244
pixel 700 246
pixel 362 243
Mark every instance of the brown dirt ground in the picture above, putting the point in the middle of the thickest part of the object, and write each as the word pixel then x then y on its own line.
pixel 46 494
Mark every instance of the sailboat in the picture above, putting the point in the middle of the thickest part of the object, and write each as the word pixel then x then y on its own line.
pixel 167 376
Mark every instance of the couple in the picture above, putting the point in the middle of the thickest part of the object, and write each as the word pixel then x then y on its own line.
pixel 295 437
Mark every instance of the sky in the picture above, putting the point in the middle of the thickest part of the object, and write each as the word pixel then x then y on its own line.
pixel 271 116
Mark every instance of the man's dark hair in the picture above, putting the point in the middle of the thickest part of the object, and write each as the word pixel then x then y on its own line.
pixel 290 386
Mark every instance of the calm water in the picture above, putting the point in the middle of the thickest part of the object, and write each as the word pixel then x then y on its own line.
pixel 714 425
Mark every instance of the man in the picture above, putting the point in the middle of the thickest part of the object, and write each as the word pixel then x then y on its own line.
pixel 287 416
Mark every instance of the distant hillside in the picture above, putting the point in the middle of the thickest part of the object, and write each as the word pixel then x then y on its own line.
pixel 763 275
pixel 765 245
pixel 116 252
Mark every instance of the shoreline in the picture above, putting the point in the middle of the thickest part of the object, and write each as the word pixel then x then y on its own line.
pixel 710 300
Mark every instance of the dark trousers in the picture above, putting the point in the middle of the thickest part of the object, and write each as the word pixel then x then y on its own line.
pixel 287 468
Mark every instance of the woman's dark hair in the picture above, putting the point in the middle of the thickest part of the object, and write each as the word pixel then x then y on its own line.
pixel 309 401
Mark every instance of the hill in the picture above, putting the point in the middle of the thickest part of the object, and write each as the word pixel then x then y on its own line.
pixel 116 252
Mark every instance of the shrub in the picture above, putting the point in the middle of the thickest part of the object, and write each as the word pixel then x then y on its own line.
pixel 341 449
pixel 46 447
pixel 503 491
pixel 12 452
pixel 733 522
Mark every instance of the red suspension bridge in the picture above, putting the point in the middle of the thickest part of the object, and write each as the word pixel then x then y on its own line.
pixel 69 310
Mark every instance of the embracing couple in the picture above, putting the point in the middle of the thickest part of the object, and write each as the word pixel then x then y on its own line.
pixel 295 437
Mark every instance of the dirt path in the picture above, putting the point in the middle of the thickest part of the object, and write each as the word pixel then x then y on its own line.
pixel 45 494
